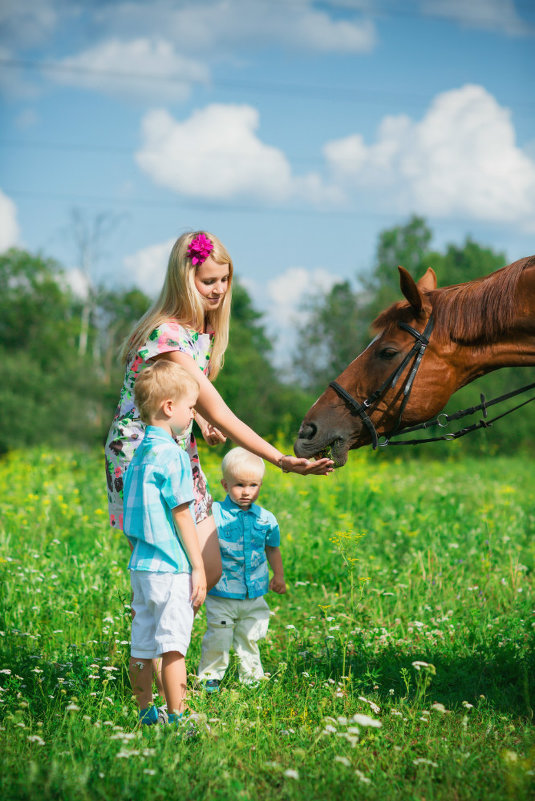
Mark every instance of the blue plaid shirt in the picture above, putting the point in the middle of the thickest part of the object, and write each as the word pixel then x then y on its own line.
pixel 157 480
pixel 243 536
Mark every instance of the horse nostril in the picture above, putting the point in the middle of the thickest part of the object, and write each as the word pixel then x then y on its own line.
pixel 308 431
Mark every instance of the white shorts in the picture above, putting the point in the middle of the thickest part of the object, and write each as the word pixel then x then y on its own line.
pixel 163 613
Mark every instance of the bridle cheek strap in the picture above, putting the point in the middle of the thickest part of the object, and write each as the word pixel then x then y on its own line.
pixel 417 351
pixel 358 408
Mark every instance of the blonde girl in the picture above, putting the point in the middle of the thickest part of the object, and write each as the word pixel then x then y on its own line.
pixel 189 324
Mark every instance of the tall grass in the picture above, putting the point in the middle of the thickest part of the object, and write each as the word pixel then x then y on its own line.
pixel 401 660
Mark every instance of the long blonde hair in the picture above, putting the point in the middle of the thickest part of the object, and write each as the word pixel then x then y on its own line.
pixel 179 300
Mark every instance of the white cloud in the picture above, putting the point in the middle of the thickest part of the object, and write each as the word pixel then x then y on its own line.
pixel 287 291
pixel 460 159
pixel 493 15
pixel 9 227
pixel 214 154
pixel 140 67
pixel 146 268
pixel 283 307
pixel 225 24
pixel 75 280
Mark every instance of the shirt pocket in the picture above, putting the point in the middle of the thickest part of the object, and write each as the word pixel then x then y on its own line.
pixel 230 543
pixel 260 533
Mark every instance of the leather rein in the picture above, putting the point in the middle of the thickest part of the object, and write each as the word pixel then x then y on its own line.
pixel 416 354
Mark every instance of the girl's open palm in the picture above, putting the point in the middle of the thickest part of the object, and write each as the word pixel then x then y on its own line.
pixel 321 467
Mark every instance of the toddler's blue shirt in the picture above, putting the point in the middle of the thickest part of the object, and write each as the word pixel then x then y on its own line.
pixel 243 536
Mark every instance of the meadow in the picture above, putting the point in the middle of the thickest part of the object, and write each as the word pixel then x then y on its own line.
pixel 401 660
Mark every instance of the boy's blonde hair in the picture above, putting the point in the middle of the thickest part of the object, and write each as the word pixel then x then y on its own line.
pixel 179 300
pixel 158 382
pixel 239 460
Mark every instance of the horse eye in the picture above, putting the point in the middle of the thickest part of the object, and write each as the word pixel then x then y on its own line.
pixel 387 353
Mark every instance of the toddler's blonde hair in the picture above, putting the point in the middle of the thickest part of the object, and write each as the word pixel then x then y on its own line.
pixel 240 461
pixel 158 382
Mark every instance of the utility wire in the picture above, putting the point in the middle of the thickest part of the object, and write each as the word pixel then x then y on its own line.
pixel 222 207
pixel 324 92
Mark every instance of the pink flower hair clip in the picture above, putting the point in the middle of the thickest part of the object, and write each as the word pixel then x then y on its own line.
pixel 199 249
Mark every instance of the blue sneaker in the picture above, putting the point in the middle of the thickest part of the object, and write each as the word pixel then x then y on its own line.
pixel 211 685
pixel 148 716
pixel 184 724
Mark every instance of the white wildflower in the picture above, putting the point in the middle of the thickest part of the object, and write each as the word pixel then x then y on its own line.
pixel 373 706
pixel 291 774
pixel 422 761
pixel 343 761
pixel 366 720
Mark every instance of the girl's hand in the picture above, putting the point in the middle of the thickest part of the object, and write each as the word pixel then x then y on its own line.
pixel 320 467
pixel 212 435
pixel 198 586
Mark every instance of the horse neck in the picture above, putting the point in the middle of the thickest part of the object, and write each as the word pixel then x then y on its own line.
pixel 514 347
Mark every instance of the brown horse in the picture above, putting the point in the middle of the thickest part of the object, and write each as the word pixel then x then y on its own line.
pixel 426 348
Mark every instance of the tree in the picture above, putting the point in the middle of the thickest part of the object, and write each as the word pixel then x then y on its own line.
pixel 328 339
pixel 36 314
pixel 249 383
pixel 465 263
pixel 406 245
pixel 48 394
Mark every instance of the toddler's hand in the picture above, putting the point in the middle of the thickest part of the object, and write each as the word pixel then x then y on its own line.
pixel 198 586
pixel 277 585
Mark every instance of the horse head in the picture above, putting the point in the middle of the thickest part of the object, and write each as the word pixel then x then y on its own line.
pixel 334 426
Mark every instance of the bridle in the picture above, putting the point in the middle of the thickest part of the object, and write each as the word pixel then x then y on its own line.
pixel 415 353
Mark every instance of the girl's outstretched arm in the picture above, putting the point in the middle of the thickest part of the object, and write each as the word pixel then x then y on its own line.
pixel 212 407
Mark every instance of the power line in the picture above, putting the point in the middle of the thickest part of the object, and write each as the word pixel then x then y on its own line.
pixel 224 207
pixel 212 206
pixel 323 92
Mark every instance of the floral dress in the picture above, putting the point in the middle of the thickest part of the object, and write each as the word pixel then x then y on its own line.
pixel 127 430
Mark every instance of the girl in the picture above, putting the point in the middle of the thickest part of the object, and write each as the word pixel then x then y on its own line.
pixel 189 324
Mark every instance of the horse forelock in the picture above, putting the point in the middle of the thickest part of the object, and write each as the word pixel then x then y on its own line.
pixel 476 312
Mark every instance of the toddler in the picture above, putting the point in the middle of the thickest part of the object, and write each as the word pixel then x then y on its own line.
pixel 166 566
pixel 236 612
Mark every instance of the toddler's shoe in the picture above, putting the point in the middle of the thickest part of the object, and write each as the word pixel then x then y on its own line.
pixel 211 685
pixel 163 717
pixel 148 716
pixel 184 724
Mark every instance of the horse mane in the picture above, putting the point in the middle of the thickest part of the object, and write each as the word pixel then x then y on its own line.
pixel 476 312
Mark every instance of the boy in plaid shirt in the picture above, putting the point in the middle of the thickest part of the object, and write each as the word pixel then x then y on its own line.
pixel 166 566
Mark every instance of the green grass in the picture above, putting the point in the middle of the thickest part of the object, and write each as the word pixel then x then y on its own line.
pixel 388 563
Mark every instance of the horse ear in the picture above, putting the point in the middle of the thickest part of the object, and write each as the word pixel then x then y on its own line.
pixel 428 281
pixel 412 292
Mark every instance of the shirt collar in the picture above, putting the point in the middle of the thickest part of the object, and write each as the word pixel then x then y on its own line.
pixel 156 433
pixel 229 504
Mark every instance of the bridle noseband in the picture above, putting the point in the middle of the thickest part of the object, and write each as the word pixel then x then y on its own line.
pixel 417 351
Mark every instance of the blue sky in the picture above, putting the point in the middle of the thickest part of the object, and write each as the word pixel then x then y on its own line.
pixel 295 130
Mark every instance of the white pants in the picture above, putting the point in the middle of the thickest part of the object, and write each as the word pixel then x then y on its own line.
pixel 237 623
